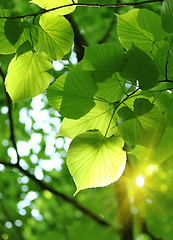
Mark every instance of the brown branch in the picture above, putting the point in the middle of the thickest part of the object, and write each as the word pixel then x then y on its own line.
pixel 79 39
pixel 58 194
pixel 85 5
pixel 166 80
pixel 166 64
pixel 12 134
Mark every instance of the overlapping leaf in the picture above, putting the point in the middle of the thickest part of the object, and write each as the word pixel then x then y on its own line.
pixel 13 29
pixel 55 36
pixel 95 161
pixel 104 60
pixel 112 89
pixel 164 60
pixel 27 75
pixel 167 15
pixel 144 125
pixel 98 118
pixel 6 46
pixel 49 4
pixel 72 95
pixel 140 67
pixel 142 28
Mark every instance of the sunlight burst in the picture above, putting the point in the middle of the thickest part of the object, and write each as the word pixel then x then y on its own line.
pixel 140 181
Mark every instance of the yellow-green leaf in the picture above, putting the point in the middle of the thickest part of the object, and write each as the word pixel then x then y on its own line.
pixel 28 75
pixel 95 161
pixel 49 4
pixel 98 118
pixel 5 47
pixel 142 28
pixel 55 36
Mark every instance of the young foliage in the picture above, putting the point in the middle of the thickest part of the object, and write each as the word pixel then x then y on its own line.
pixel 140 67
pixel 53 40
pixel 95 161
pixel 104 60
pixel 144 124
pixel 72 95
pixel 50 4
pixel 98 118
pixel 6 47
pixel 28 75
pixel 142 28
pixel 167 16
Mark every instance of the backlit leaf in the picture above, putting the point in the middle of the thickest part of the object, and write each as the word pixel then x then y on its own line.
pixel 49 4
pixel 72 95
pixel 13 29
pixel 98 118
pixel 27 75
pixel 142 28
pixel 5 47
pixel 95 161
pixel 167 15
pixel 144 125
pixel 140 67
pixel 112 89
pixel 55 37
pixel 104 59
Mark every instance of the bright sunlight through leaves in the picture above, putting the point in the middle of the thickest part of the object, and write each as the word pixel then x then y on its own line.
pixel 140 181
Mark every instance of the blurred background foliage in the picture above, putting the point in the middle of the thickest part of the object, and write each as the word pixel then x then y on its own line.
pixel 28 210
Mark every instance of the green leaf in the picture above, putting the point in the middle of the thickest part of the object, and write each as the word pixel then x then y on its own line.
pixel 4 13
pixel 56 4
pixel 144 125
pixel 163 58
pixel 140 67
pixel 165 149
pixel 142 28
pixel 111 89
pixel 165 102
pixel 24 47
pixel 95 161
pixel 55 37
pixel 72 95
pixel 27 75
pixel 105 59
pixel 167 15
pixel 98 118
pixel 5 47
pixel 13 29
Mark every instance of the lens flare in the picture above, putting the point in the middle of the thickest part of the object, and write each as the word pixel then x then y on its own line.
pixel 140 181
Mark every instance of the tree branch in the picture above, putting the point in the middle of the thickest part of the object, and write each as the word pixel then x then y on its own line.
pixel 58 194
pixel 85 5
pixel 12 134
pixel 79 40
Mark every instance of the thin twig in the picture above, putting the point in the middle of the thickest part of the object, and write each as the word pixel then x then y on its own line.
pixel 117 106
pixel 12 134
pixel 84 5
pixel 166 64
pixel 166 79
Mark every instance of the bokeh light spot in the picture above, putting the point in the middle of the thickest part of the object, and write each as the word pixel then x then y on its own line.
pixel 140 181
